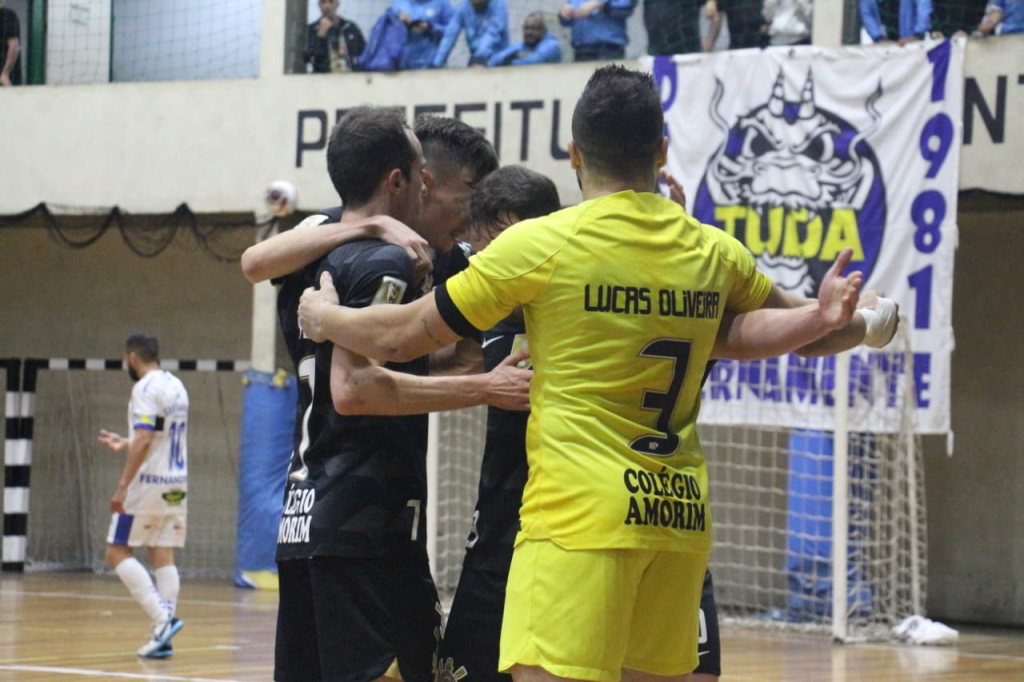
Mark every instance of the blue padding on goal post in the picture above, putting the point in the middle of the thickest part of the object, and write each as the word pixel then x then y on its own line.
pixel 268 424
pixel 809 523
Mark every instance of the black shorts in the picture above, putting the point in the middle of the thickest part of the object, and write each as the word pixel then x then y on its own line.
pixel 349 619
pixel 709 644
pixel 469 648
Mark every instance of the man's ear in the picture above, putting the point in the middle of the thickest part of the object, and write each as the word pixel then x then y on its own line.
pixel 575 156
pixel 661 158
pixel 428 182
pixel 396 181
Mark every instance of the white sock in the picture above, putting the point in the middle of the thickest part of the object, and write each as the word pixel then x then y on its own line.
pixel 167 584
pixel 137 580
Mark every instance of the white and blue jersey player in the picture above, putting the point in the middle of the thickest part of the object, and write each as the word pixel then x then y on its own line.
pixel 148 507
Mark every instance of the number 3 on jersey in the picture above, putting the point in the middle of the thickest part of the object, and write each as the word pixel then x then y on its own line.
pixel 665 443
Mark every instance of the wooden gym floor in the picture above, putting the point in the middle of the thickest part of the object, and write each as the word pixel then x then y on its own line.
pixel 77 626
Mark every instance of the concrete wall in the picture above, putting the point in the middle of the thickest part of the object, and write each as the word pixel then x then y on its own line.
pixel 59 302
pixel 976 497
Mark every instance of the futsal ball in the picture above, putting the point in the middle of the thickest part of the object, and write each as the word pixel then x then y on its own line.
pixel 281 197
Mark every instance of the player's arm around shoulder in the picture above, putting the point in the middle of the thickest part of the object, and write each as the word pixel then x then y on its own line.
pixel 314 237
pixel 362 387
pixel 394 333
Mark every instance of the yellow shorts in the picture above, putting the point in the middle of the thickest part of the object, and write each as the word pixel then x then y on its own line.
pixel 586 614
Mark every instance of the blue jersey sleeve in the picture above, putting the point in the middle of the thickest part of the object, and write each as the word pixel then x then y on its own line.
pixel 451 34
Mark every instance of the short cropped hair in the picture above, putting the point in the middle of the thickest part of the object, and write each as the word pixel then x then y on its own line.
pixel 618 122
pixel 144 345
pixel 509 194
pixel 366 145
pixel 456 144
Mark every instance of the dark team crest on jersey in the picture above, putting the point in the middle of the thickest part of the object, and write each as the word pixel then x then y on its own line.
pixel 793 181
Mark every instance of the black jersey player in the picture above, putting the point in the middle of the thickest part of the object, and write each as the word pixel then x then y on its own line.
pixel 357 600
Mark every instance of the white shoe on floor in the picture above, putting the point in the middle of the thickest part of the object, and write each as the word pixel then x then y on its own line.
pixel 162 634
pixel 921 630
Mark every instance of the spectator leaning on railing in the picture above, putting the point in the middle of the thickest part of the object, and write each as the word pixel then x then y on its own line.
pixel 334 43
pixel 1003 17
pixel 685 26
pixel 598 27
pixel 915 20
pixel 486 26
pixel 788 22
pixel 538 46
pixel 426 21
pixel 744 22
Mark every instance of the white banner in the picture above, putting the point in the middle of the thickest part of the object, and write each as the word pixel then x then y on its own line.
pixel 801 152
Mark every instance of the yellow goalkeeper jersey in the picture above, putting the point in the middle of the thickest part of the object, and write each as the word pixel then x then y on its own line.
pixel 623 297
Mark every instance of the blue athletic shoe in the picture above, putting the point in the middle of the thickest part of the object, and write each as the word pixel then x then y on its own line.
pixel 161 637
pixel 166 651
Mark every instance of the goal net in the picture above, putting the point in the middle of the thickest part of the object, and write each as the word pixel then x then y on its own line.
pixel 73 476
pixel 460 436
pixel 772 496
pixel 771 488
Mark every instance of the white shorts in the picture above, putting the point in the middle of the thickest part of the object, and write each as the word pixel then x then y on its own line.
pixel 147 530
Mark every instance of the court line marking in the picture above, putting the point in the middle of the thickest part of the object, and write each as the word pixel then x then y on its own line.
pixel 261 607
pixel 84 672
pixel 114 597
pixel 943 649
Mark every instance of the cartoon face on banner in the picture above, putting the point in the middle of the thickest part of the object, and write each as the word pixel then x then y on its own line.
pixel 796 184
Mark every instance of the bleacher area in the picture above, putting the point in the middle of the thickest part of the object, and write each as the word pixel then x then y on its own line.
pixel 70 42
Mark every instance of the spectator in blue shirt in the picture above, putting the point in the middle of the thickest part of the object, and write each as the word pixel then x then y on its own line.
pixel 538 46
pixel 915 20
pixel 598 27
pixel 426 21
pixel 486 25
pixel 1003 17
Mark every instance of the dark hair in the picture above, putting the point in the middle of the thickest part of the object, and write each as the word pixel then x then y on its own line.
pixel 366 145
pixel 511 191
pixel 452 145
pixel 618 122
pixel 144 345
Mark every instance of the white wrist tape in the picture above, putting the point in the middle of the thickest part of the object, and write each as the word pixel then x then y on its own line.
pixel 880 322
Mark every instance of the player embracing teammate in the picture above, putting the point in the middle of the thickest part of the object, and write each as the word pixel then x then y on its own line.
pixel 614 397
pixel 357 600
